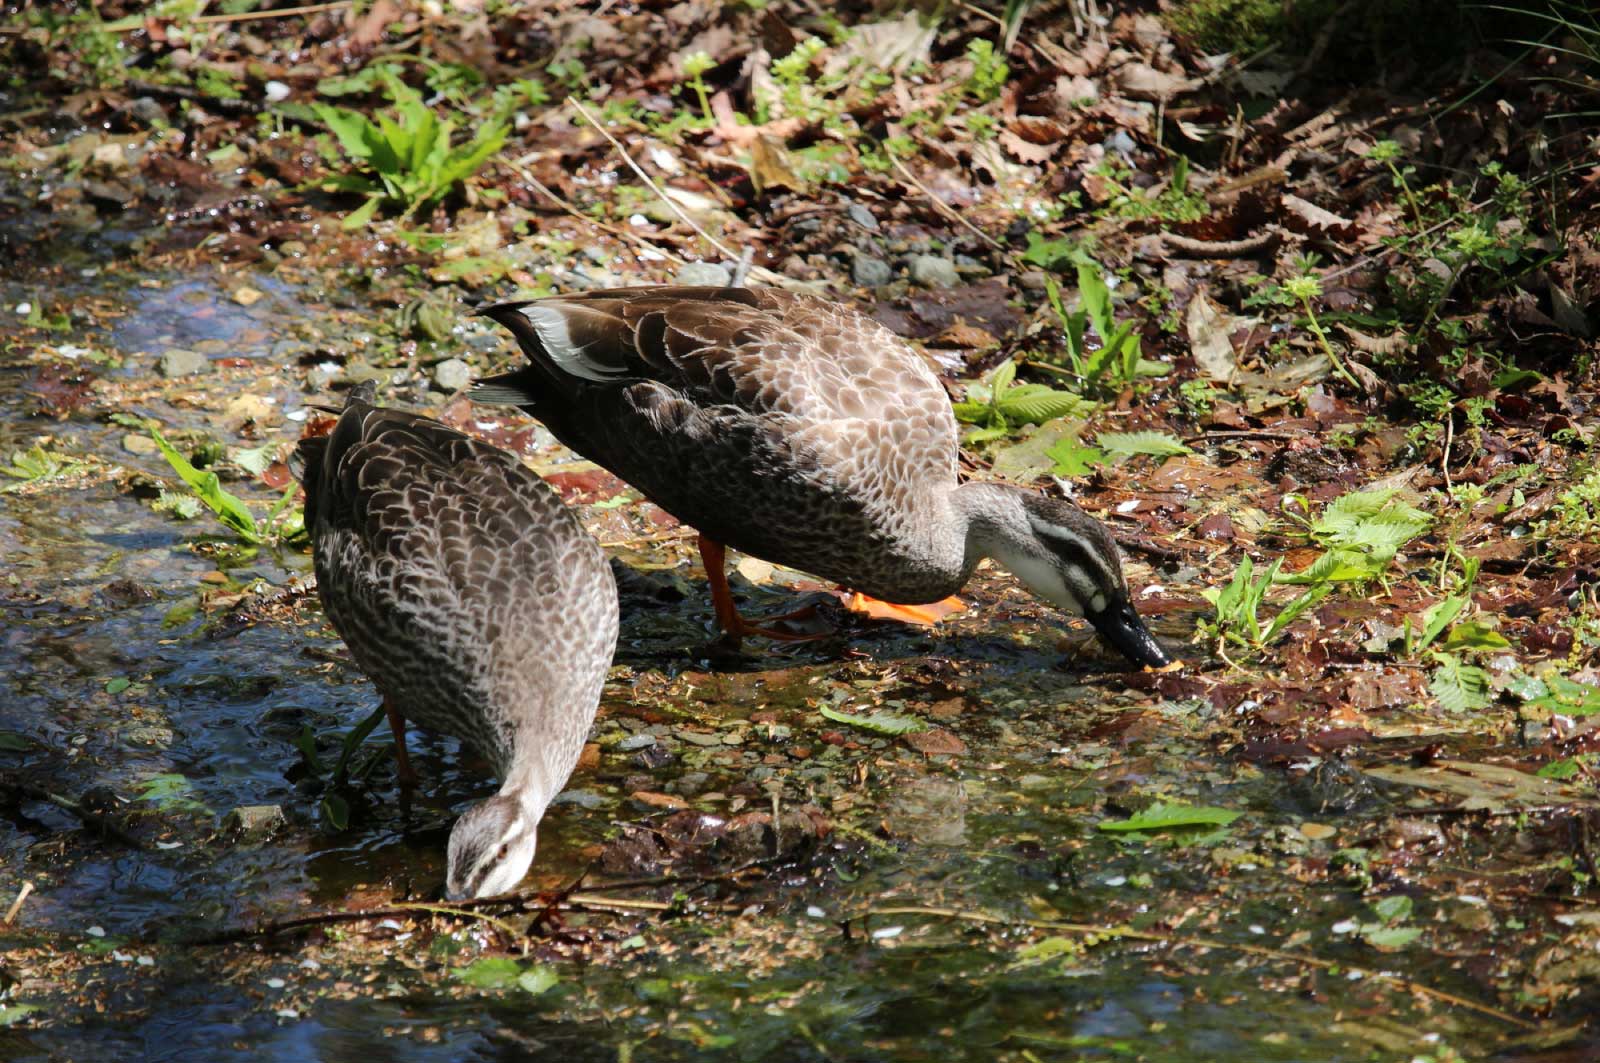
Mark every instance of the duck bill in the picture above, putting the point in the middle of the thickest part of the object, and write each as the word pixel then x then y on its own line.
pixel 1121 626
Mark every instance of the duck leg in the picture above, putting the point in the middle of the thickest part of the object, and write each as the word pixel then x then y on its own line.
pixel 715 558
pixel 923 615
pixel 403 769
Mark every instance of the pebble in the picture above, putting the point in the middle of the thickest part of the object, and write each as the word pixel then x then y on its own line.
pixel 638 741
pixel 275 91
pixel 138 443
pixel 932 271
pixel 452 375
pixel 179 361
pixel 704 274
pixel 862 217
pixel 870 272
pixel 255 819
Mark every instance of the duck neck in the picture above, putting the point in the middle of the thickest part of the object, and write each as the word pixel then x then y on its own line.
pixel 993 522
pixel 527 780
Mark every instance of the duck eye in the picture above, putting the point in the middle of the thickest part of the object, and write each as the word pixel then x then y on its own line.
pixel 505 851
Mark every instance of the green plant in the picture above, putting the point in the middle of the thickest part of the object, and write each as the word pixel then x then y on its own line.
pixel 1169 202
pixel 406 157
pixel 996 404
pixel 1361 532
pixel 1306 288
pixel 37 465
pixel 1119 362
pixel 1237 607
pixel 279 523
pixel 695 65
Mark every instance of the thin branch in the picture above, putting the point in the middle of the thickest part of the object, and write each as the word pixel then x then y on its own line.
pixel 94 820
pixel 517 166
pixel 946 208
pixel 282 12
pixel 732 256
pixel 1179 941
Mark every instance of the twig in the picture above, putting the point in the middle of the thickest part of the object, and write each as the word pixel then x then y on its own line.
pixel 89 818
pixel 1178 941
pixel 1148 548
pixel 729 253
pixel 942 205
pixel 517 165
pixel 281 12
pixel 1221 248
pixel 16 905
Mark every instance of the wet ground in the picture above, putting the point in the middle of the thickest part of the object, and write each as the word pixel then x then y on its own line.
pixel 945 894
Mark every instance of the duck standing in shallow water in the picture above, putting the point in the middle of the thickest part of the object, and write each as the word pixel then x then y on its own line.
pixel 799 431
pixel 476 603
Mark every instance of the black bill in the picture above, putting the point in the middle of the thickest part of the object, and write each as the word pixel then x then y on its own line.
pixel 1121 626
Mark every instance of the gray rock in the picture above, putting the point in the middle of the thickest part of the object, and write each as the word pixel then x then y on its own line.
pixel 255 819
pixel 862 217
pixel 138 443
pixel 1033 280
pixel 582 798
pixel 637 741
pixel 870 272
pixel 704 275
pixel 177 361
pixel 932 271
pixel 452 375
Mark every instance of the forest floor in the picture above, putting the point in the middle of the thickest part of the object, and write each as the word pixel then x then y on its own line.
pixel 1307 320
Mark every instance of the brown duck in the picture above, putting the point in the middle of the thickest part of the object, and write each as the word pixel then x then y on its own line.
pixel 799 431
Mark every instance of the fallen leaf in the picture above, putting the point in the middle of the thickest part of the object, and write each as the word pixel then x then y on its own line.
pixel 935 741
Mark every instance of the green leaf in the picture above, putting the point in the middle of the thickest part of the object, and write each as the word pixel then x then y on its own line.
pixel 256 460
pixel 1073 458
pixel 1460 687
pixel 1388 937
pixel 884 723
pixel 1127 444
pixel 1393 909
pixel 361 215
pixel 1294 610
pixel 352 130
pixel 229 509
pixel 1438 617
pixel 1561 769
pixel 491 972
pixel 538 979
pixel 1036 403
pixel 118 685
pixel 1160 816
pixel 1475 635
pixel 335 812
pixel 12 742
pixel 15 1012
pixel 1553 692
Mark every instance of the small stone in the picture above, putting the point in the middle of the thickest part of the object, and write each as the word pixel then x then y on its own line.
pixel 452 375
pixel 138 443
pixel 246 296
pixel 870 272
pixel 588 757
pixel 255 819
pixel 654 800
pixel 935 741
pixel 862 217
pixel 638 741
pixel 1317 831
pixel 931 271
pixel 148 111
pixel 704 275
pixel 1033 280
pixel 275 91
pixel 177 361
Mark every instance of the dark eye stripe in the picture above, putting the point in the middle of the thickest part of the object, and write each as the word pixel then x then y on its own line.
pixel 1073 549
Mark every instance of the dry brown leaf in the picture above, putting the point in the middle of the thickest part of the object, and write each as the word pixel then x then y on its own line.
pixel 1209 331
pixel 935 741
pixel 1306 217
pixel 1145 82
pixel 1027 151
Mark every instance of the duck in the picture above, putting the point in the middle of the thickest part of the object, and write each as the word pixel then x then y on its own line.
pixel 475 602
pixel 799 431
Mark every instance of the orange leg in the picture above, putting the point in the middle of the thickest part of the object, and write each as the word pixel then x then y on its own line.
pixel 925 615
pixel 714 556
pixel 403 770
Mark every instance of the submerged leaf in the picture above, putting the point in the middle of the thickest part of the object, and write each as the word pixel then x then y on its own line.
pixel 1161 816
pixel 1154 444
pixel 884 723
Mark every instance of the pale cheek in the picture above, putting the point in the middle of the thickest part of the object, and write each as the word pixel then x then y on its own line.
pixel 1044 580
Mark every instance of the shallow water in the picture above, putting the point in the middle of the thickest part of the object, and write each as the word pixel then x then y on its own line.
pixel 127 690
